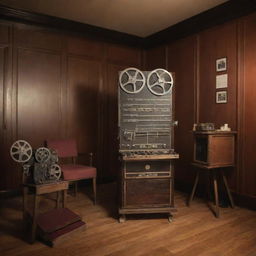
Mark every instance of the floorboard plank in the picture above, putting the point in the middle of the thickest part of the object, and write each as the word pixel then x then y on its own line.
pixel 194 231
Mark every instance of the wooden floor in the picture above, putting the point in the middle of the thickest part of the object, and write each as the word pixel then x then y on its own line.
pixel 194 232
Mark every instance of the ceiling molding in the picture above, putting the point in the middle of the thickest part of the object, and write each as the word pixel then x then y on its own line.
pixel 215 16
pixel 90 31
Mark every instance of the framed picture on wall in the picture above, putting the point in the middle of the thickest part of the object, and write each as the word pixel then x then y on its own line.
pixel 221 97
pixel 221 64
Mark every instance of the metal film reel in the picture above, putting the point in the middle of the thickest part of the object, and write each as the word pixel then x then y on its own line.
pixel 54 173
pixel 21 151
pixel 132 80
pixel 160 82
pixel 42 154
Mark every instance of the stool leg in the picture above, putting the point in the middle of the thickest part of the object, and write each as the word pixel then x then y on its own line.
pixel 25 202
pixel 58 199
pixel 215 185
pixel 194 188
pixel 228 191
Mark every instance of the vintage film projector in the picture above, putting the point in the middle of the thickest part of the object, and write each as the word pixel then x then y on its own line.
pixel 145 120
pixel 39 166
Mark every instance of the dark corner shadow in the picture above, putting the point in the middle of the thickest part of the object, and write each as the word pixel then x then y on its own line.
pixel 98 133
pixel 106 196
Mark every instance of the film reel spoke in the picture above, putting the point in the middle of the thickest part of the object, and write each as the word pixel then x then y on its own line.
pixel 136 74
pixel 134 87
pixel 126 83
pixel 154 84
pixel 129 76
pixel 158 76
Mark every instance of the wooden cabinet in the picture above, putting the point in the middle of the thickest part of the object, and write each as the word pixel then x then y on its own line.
pixel 214 148
pixel 147 185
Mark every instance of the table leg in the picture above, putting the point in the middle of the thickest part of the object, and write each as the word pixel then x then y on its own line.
pixel 58 199
pixel 194 188
pixel 34 224
pixel 64 202
pixel 25 202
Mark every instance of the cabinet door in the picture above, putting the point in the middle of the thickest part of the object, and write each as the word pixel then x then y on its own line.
pixel 221 150
pixel 147 193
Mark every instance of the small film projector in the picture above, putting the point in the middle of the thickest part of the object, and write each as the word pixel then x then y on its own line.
pixel 146 141
pixel 39 166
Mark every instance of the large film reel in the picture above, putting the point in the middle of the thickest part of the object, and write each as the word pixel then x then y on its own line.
pixel 54 172
pixel 42 154
pixel 132 80
pixel 160 82
pixel 21 151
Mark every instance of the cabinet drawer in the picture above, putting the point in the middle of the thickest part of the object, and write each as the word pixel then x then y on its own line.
pixel 147 166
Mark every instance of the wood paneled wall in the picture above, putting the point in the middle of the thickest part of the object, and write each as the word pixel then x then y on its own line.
pixel 247 105
pixel 55 85
pixel 192 59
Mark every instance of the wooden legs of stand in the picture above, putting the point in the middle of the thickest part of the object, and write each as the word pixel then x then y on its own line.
pixel 216 195
pixel 194 188
pixel 228 191
pixel 214 208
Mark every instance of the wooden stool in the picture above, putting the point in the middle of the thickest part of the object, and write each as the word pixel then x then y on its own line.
pixel 38 190
pixel 213 171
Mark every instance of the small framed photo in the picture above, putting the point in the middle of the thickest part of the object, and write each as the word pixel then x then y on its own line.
pixel 221 64
pixel 221 97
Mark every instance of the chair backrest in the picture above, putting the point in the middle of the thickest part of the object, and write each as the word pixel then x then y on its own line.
pixel 64 148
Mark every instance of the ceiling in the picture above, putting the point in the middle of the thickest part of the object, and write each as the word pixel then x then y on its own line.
pixel 136 17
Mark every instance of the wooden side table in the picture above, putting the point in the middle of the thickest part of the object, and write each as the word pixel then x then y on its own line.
pixel 60 187
pixel 213 171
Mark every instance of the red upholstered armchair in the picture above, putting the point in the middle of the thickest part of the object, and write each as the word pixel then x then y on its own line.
pixel 73 172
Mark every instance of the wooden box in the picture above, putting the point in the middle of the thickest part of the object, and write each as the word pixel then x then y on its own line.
pixel 214 148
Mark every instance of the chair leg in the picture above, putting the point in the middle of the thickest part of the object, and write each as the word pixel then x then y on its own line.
pixel 94 189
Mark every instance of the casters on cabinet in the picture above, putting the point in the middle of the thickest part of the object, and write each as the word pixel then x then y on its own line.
pixel 170 219
pixel 122 218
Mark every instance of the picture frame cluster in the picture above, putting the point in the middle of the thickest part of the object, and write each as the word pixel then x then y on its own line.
pixel 221 80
